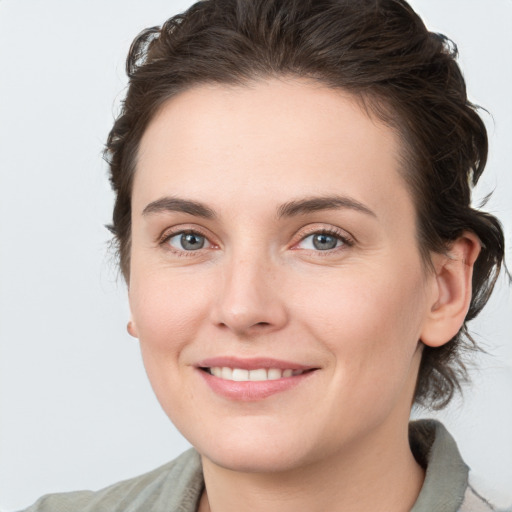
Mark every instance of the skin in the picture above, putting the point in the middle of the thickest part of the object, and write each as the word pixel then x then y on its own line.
pixel 260 288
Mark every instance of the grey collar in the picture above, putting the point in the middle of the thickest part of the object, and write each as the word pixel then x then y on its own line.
pixel 446 478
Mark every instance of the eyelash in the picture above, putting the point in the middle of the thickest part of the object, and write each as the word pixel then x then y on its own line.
pixel 342 236
pixel 167 236
pixel 346 241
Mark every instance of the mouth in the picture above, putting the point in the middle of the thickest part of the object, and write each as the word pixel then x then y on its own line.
pixel 252 379
pixel 256 375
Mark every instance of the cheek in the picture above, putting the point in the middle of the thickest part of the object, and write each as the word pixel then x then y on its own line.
pixel 370 322
pixel 166 309
pixel 168 312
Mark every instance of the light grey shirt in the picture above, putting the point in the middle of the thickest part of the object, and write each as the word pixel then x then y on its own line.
pixel 177 486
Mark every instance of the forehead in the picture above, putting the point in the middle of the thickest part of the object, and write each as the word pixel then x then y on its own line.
pixel 269 138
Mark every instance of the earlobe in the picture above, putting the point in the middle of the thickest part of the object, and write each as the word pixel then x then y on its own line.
pixel 132 329
pixel 451 290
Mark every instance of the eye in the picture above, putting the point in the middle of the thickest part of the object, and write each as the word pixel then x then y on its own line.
pixel 188 241
pixel 322 241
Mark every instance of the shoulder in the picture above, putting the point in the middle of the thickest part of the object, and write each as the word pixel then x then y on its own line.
pixel 176 486
pixel 482 496
pixel 473 502
pixel 447 484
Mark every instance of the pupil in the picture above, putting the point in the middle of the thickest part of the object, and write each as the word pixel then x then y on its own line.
pixel 192 242
pixel 324 242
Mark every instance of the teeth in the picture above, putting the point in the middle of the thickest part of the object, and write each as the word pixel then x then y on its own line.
pixel 240 375
pixel 261 374
pixel 274 373
pixel 226 373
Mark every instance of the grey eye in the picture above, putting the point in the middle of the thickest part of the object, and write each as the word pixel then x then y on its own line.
pixel 188 241
pixel 321 242
pixel 324 242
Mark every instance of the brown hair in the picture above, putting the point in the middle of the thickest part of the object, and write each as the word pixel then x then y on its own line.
pixel 380 51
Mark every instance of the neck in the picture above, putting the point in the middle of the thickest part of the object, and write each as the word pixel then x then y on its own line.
pixel 377 472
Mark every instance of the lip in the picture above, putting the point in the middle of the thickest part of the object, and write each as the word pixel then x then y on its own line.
pixel 252 363
pixel 251 391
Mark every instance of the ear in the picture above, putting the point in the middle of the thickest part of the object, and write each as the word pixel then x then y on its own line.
pixel 450 290
pixel 132 329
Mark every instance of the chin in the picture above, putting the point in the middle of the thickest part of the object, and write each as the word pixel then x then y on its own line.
pixel 257 448
pixel 253 458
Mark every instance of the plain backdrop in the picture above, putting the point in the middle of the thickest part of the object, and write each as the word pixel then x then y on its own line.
pixel 76 409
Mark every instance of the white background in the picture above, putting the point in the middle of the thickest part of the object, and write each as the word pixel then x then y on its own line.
pixel 76 410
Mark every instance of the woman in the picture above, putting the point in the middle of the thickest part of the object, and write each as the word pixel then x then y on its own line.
pixel 294 224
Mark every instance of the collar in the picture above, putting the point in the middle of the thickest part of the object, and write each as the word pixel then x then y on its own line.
pixel 446 476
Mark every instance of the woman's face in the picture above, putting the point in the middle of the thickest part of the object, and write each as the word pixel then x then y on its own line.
pixel 276 285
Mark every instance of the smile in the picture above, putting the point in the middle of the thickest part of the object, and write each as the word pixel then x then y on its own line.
pixel 252 379
pixel 257 375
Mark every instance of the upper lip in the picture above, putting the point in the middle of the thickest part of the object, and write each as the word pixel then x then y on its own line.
pixel 253 363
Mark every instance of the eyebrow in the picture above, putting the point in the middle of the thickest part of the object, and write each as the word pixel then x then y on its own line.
pixel 289 209
pixel 315 204
pixel 175 204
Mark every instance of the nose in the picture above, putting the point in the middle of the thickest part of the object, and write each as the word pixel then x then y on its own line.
pixel 250 297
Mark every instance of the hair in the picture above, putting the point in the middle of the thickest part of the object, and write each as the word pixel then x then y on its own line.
pixel 378 50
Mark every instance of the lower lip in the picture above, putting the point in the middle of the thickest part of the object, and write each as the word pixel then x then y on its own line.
pixel 250 391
